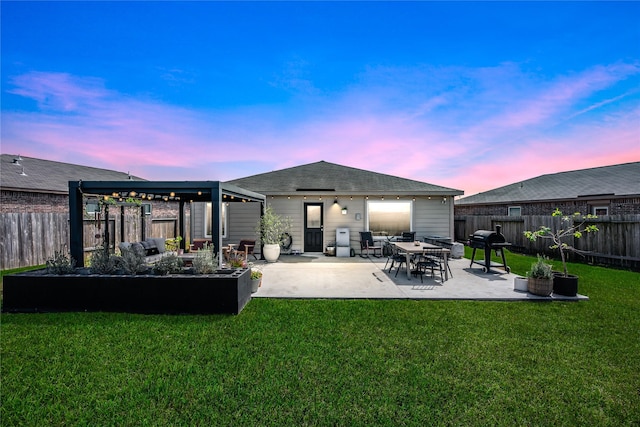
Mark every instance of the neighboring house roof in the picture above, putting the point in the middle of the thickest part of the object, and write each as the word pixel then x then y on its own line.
pixel 606 181
pixel 324 177
pixel 46 176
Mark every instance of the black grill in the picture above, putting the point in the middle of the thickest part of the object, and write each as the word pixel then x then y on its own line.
pixel 489 241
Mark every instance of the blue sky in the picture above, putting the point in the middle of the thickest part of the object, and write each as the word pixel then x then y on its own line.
pixel 468 95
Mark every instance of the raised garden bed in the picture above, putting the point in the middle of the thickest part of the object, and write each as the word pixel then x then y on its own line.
pixel 226 291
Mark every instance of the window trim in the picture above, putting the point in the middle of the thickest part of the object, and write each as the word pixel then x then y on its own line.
pixel 509 208
pixel 368 216
pixel 595 208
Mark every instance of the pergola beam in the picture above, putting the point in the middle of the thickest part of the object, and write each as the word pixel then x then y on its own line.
pixel 182 192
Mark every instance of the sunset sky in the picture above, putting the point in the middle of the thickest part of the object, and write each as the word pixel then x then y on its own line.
pixel 469 95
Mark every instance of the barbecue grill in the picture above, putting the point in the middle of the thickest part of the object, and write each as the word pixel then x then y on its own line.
pixel 489 240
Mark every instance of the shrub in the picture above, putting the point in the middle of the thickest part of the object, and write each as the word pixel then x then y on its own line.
pixel 101 262
pixel 205 262
pixel 133 261
pixel 61 263
pixel 168 264
pixel 541 269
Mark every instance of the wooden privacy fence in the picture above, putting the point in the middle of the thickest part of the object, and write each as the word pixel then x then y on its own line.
pixel 28 239
pixel 616 244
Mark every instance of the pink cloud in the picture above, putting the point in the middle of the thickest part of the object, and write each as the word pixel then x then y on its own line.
pixel 438 136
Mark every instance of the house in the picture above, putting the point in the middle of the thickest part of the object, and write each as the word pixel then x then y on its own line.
pixel 606 190
pixel 610 192
pixel 28 184
pixel 34 206
pixel 321 197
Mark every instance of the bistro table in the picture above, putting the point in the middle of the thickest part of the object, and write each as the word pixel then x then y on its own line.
pixel 410 248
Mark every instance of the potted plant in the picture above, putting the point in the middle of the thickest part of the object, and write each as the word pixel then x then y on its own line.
pixel 540 278
pixel 272 228
pixel 256 279
pixel 571 227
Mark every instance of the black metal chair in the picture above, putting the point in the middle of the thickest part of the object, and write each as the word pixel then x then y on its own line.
pixel 396 257
pixel 368 244
pixel 408 236
pixel 430 259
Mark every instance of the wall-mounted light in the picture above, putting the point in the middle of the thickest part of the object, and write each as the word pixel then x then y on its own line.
pixel 335 201
pixel 344 210
pixel 444 200
pixel 132 194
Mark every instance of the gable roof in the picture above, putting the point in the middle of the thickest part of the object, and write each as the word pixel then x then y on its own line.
pixel 324 177
pixel 47 176
pixel 617 180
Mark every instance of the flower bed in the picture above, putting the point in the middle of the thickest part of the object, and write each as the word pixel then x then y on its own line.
pixel 37 291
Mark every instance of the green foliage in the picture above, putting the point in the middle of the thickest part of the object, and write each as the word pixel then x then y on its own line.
pixel 205 261
pixel 102 262
pixel 173 244
pixel 272 227
pixel 133 260
pixel 575 226
pixel 256 274
pixel 541 269
pixel 168 264
pixel 61 263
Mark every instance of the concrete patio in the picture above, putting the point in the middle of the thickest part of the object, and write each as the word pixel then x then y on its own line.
pixel 319 276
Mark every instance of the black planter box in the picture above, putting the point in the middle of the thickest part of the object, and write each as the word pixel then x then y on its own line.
pixel 567 286
pixel 179 293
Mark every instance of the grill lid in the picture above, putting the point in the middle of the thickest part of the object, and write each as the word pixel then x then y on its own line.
pixel 488 237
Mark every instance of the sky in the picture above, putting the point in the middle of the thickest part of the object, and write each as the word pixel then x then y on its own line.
pixel 466 95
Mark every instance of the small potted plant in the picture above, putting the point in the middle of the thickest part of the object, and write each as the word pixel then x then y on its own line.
pixel 272 228
pixel 571 227
pixel 540 278
pixel 256 279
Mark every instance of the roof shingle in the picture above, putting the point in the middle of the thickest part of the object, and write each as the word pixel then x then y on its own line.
pixel 330 177
pixel 618 180
pixel 49 176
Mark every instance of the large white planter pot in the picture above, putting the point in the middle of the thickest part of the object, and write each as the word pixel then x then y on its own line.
pixel 271 252
pixel 520 284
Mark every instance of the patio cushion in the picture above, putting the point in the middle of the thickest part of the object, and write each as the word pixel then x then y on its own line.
pixel 137 246
pixel 159 243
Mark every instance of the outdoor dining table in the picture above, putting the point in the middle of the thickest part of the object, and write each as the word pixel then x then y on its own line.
pixel 410 248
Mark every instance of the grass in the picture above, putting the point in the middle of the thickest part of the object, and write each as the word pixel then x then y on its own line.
pixel 346 362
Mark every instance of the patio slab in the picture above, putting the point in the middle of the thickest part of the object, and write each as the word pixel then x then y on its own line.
pixel 319 276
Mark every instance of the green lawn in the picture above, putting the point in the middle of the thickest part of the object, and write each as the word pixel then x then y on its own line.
pixel 321 362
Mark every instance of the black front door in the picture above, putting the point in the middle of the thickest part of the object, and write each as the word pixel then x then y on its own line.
pixel 313 227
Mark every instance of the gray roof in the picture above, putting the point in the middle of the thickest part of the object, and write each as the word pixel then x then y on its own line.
pixel 325 177
pixel 47 176
pixel 617 180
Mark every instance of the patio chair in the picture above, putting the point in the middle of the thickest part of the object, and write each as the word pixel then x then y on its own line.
pixel 247 246
pixel 408 236
pixel 398 257
pixel 367 244
pixel 430 259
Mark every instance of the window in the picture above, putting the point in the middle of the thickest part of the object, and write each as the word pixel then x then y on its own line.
pixel 601 210
pixel 514 211
pixel 207 220
pixel 389 218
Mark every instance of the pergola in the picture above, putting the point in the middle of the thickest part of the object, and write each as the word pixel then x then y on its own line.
pixel 182 192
